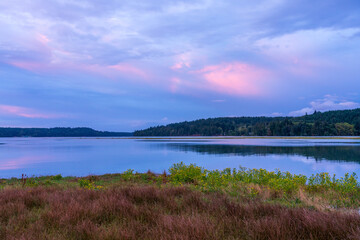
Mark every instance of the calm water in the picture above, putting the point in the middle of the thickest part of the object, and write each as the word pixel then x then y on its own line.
pixel 84 156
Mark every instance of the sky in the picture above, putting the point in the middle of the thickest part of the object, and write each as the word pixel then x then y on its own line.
pixel 126 65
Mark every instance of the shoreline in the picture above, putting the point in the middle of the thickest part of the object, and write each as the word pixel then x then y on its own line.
pixel 189 203
pixel 204 137
pixel 235 182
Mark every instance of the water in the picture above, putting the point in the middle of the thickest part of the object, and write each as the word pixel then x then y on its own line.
pixel 85 156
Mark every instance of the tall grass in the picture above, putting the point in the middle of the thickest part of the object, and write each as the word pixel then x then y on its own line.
pixel 188 203
pixel 148 212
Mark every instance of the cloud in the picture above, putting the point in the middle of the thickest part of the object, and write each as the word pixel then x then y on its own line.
pixel 306 42
pixel 30 66
pixel 129 69
pixel 136 56
pixel 175 84
pixel 26 112
pixel 276 114
pixel 182 61
pixel 111 71
pixel 235 78
pixel 308 52
pixel 328 103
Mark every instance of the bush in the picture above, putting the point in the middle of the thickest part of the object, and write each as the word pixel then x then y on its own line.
pixel 283 182
pixel 87 184
pixel 57 177
pixel 128 174
pixel 181 173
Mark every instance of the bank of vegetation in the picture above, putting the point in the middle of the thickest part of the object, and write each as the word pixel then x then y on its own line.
pixel 332 123
pixel 58 132
pixel 188 202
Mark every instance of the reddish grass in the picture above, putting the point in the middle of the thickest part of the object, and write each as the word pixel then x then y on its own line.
pixel 143 212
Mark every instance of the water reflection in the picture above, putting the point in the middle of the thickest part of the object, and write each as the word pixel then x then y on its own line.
pixel 334 153
pixel 81 157
pixel 20 162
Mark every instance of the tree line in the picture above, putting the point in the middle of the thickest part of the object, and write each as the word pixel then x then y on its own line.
pixel 331 123
pixel 58 132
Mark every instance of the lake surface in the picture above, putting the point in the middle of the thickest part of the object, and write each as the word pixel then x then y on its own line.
pixel 85 156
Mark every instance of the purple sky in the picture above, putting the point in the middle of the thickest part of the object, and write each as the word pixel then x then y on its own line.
pixel 125 65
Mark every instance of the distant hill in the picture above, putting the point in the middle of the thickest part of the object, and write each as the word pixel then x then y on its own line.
pixel 332 123
pixel 58 132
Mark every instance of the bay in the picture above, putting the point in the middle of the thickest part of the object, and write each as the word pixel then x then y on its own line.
pixel 86 156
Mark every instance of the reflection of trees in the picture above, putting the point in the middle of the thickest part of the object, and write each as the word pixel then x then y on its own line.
pixel 337 153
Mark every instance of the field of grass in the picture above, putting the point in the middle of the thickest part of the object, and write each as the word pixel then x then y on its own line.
pixel 188 203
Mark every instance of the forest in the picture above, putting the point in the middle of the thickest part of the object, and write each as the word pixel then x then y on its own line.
pixel 331 123
pixel 58 132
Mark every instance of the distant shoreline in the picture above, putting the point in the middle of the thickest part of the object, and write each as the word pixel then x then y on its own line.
pixel 59 132
pixel 235 137
pixel 192 137
pixel 331 123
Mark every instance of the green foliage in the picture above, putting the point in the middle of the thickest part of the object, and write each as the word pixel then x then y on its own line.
pixel 319 190
pixel 47 182
pixel 32 182
pixel 57 177
pixel 128 175
pixel 332 123
pixel 346 184
pixel 282 182
pixel 345 129
pixel 87 184
pixel 181 173
pixel 215 180
pixel 84 183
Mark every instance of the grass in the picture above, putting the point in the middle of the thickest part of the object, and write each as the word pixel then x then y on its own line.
pixel 189 203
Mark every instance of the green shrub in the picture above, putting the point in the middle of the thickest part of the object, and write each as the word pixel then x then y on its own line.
pixel 84 183
pixel 128 174
pixel 87 184
pixel 181 173
pixel 57 177
pixel 284 182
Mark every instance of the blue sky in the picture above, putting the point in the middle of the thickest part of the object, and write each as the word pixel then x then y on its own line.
pixel 126 65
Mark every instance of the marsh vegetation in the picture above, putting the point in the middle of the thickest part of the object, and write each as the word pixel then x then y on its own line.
pixel 188 203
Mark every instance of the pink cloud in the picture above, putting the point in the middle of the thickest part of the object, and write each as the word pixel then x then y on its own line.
pixel 30 66
pixel 43 39
pixel 111 72
pixel 235 78
pixel 129 70
pixel 182 61
pixel 177 66
pixel 180 65
pixel 57 60
pixel 174 84
pixel 25 112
